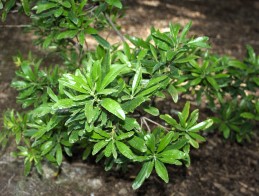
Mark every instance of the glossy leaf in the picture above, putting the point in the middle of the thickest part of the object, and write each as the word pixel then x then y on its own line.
pixel 165 141
pixel 161 171
pixel 113 107
pixel 124 150
pixel 143 174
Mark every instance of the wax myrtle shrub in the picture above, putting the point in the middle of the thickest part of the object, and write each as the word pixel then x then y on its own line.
pixel 230 89
pixel 62 26
pixel 103 102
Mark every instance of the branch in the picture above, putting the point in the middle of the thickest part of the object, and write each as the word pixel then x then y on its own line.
pixel 145 119
pixel 14 26
pixel 114 28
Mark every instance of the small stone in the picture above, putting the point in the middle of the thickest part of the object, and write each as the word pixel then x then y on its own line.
pixel 123 191
pixel 48 171
pixel 243 190
pixel 94 183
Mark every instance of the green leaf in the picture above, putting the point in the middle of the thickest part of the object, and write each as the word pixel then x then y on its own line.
pixel 143 174
pixel 136 80
pixel 193 118
pixel 73 17
pixel 197 137
pixel 67 34
pixel 98 146
pixel 81 38
pixel 213 82
pixel 26 7
pixel 172 154
pixel 89 111
pixel 46 147
pixel 58 12
pixel 108 149
pixel 193 142
pixel 59 155
pixel 247 115
pixel 101 41
pixel 125 135
pixel 165 141
pixel 90 31
pixel 44 7
pixel 170 161
pixel 161 44
pixel 138 42
pixel 138 143
pixel 113 73
pixel 162 36
pixel 66 4
pixel 47 41
pixel 149 91
pixel 200 42
pixel 102 133
pixel 87 152
pixel 156 80
pixel 195 82
pixel 26 68
pixel 152 110
pixel 131 105
pixel 63 103
pixel 114 151
pixel 113 107
pixel 42 110
pixel 161 171
pixel 142 54
pixel 185 59
pixel 126 50
pixel 75 82
pixel 173 92
pixel 27 167
pixel 201 126
pixel 130 123
pixel 167 118
pixel 150 142
pixel 73 138
pixel 52 94
pixel 185 112
pixel 225 129
pixel 124 150
pixel 153 51
pixel 185 31
pixel 115 3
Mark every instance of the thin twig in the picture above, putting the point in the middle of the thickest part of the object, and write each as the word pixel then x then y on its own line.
pixel 145 122
pixel 8 184
pixel 114 28
pixel 148 119
pixel 14 26
pixel 10 180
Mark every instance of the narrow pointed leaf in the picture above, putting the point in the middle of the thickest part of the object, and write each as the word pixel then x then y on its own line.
pixel 143 174
pixel 201 126
pixel 165 141
pixel 59 154
pixel 113 107
pixel 161 171
pixel 124 150
pixel 98 146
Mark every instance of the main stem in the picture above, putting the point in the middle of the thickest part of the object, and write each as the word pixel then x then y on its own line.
pixel 114 28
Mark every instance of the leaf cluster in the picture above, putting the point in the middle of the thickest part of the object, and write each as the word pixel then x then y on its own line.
pixel 104 102
pixel 106 107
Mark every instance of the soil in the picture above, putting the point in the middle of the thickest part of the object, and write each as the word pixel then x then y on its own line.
pixel 219 167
